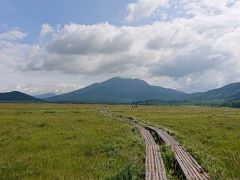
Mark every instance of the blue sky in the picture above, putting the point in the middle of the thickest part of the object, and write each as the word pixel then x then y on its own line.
pixel 29 15
pixel 59 46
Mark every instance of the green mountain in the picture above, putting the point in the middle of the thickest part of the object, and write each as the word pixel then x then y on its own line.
pixel 16 96
pixel 223 94
pixel 119 90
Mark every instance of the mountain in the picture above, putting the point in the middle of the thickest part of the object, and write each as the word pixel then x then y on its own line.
pixel 225 96
pixel 16 96
pixel 226 93
pixel 119 90
pixel 45 96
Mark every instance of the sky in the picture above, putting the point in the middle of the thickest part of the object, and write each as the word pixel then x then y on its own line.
pixel 59 46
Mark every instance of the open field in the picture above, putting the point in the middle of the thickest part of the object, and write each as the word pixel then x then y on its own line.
pixel 44 141
pixel 50 141
pixel 212 135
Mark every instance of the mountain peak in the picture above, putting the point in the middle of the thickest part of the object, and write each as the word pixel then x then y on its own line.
pixel 119 90
pixel 15 96
pixel 130 80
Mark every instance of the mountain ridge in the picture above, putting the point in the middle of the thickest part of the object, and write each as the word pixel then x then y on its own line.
pixel 123 90
pixel 17 96
pixel 119 90
pixel 228 92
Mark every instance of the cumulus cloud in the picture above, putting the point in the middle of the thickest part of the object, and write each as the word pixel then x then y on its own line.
pixel 165 10
pixel 12 52
pixel 86 39
pixel 12 35
pixel 178 50
pixel 189 53
pixel 212 7
pixel 46 29
pixel 198 60
pixel 143 8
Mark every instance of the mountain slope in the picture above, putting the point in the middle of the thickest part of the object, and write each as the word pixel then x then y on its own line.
pixel 119 90
pixel 16 96
pixel 226 93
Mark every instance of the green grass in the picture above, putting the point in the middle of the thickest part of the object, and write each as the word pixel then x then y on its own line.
pixel 212 135
pixel 49 141
pixel 45 141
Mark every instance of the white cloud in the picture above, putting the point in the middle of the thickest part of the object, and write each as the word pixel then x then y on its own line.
pixel 178 50
pixel 12 52
pixel 172 9
pixel 90 39
pixel 196 7
pixel 46 29
pixel 12 35
pixel 143 8
pixel 188 53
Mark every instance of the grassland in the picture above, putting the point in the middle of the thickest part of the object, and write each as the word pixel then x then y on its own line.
pixel 47 141
pixel 212 135
pixel 44 141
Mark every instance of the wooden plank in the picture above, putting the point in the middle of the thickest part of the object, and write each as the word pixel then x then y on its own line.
pixel 189 166
pixel 155 169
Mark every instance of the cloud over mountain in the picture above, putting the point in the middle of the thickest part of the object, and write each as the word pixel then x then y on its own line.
pixel 196 50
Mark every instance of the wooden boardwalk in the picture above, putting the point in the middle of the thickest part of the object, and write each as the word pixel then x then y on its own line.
pixel 154 164
pixel 190 167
